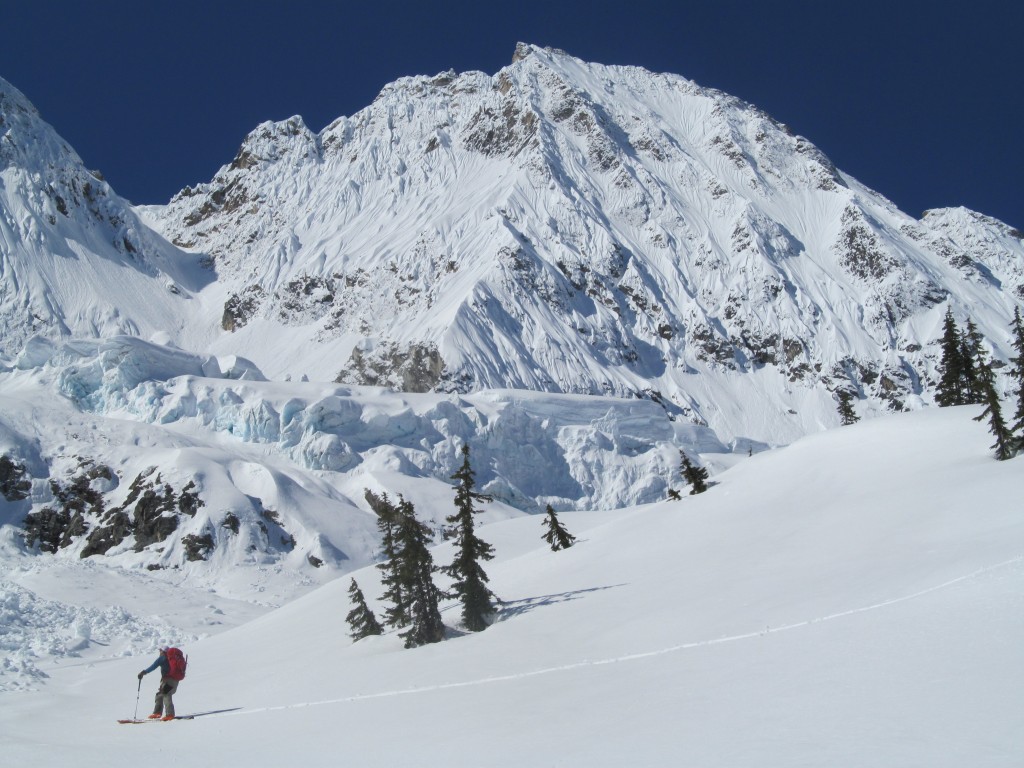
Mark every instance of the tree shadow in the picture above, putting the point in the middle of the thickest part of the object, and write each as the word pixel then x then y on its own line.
pixel 512 608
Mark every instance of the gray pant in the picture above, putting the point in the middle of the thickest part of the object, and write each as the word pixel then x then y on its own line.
pixel 164 704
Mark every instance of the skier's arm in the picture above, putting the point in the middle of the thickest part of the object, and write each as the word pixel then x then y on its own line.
pixel 150 668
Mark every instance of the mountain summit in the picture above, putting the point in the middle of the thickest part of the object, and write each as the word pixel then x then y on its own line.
pixel 75 260
pixel 572 227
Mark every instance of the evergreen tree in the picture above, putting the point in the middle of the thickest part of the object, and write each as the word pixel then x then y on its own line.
pixel 696 476
pixel 951 366
pixel 986 388
pixel 417 568
pixel 556 535
pixel 973 356
pixel 398 615
pixel 1017 381
pixel 845 407
pixel 361 620
pixel 470 586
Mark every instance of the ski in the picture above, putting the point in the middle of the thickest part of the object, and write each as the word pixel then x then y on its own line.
pixel 193 716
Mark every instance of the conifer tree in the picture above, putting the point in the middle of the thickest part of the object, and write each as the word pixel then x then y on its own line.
pixel 470 579
pixel 557 536
pixel 845 407
pixel 1017 381
pixel 393 579
pixel 361 621
pixel 412 540
pixel 973 356
pixel 951 365
pixel 989 395
pixel 696 476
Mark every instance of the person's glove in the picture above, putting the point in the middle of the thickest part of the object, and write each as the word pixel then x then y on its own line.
pixel 141 675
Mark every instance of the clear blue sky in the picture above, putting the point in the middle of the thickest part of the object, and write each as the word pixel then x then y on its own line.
pixel 920 100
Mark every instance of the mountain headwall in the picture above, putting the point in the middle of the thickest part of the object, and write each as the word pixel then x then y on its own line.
pixel 572 227
pixel 560 226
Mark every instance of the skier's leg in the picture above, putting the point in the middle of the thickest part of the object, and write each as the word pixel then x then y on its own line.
pixel 171 688
pixel 158 700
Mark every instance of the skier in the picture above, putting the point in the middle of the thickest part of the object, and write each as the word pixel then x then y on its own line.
pixel 163 706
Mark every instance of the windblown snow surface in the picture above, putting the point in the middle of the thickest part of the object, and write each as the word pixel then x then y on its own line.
pixel 852 599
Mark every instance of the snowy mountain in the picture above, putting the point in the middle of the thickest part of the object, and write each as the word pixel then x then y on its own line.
pixel 867 614
pixel 578 270
pixel 559 226
pixel 75 259
pixel 572 227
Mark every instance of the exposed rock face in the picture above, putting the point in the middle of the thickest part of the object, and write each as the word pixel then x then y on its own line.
pixel 58 526
pixel 198 547
pixel 500 132
pixel 240 308
pixel 416 369
pixel 150 514
pixel 52 529
pixel 165 522
pixel 15 483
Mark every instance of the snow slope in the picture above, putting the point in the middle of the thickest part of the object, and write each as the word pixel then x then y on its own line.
pixel 75 259
pixel 852 599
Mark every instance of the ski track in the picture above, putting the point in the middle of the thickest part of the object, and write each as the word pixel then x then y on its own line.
pixel 632 656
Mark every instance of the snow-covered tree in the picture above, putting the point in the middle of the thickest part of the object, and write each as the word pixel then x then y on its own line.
pixel 393 579
pixel 408 571
pixel 1017 381
pixel 952 365
pixel 412 540
pixel 556 535
pixel 361 621
pixel 696 476
pixel 470 579
pixel 845 407
pixel 958 369
pixel 985 385
pixel 973 354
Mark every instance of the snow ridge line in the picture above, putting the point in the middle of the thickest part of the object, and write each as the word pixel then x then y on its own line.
pixel 633 656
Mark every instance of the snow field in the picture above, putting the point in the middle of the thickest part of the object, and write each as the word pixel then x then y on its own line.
pixel 853 599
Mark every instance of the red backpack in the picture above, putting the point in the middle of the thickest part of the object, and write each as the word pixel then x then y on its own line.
pixel 176 663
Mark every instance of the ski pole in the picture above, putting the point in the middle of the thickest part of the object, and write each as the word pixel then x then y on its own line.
pixel 136 715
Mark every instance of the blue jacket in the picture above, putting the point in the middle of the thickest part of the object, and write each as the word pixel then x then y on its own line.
pixel 161 661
